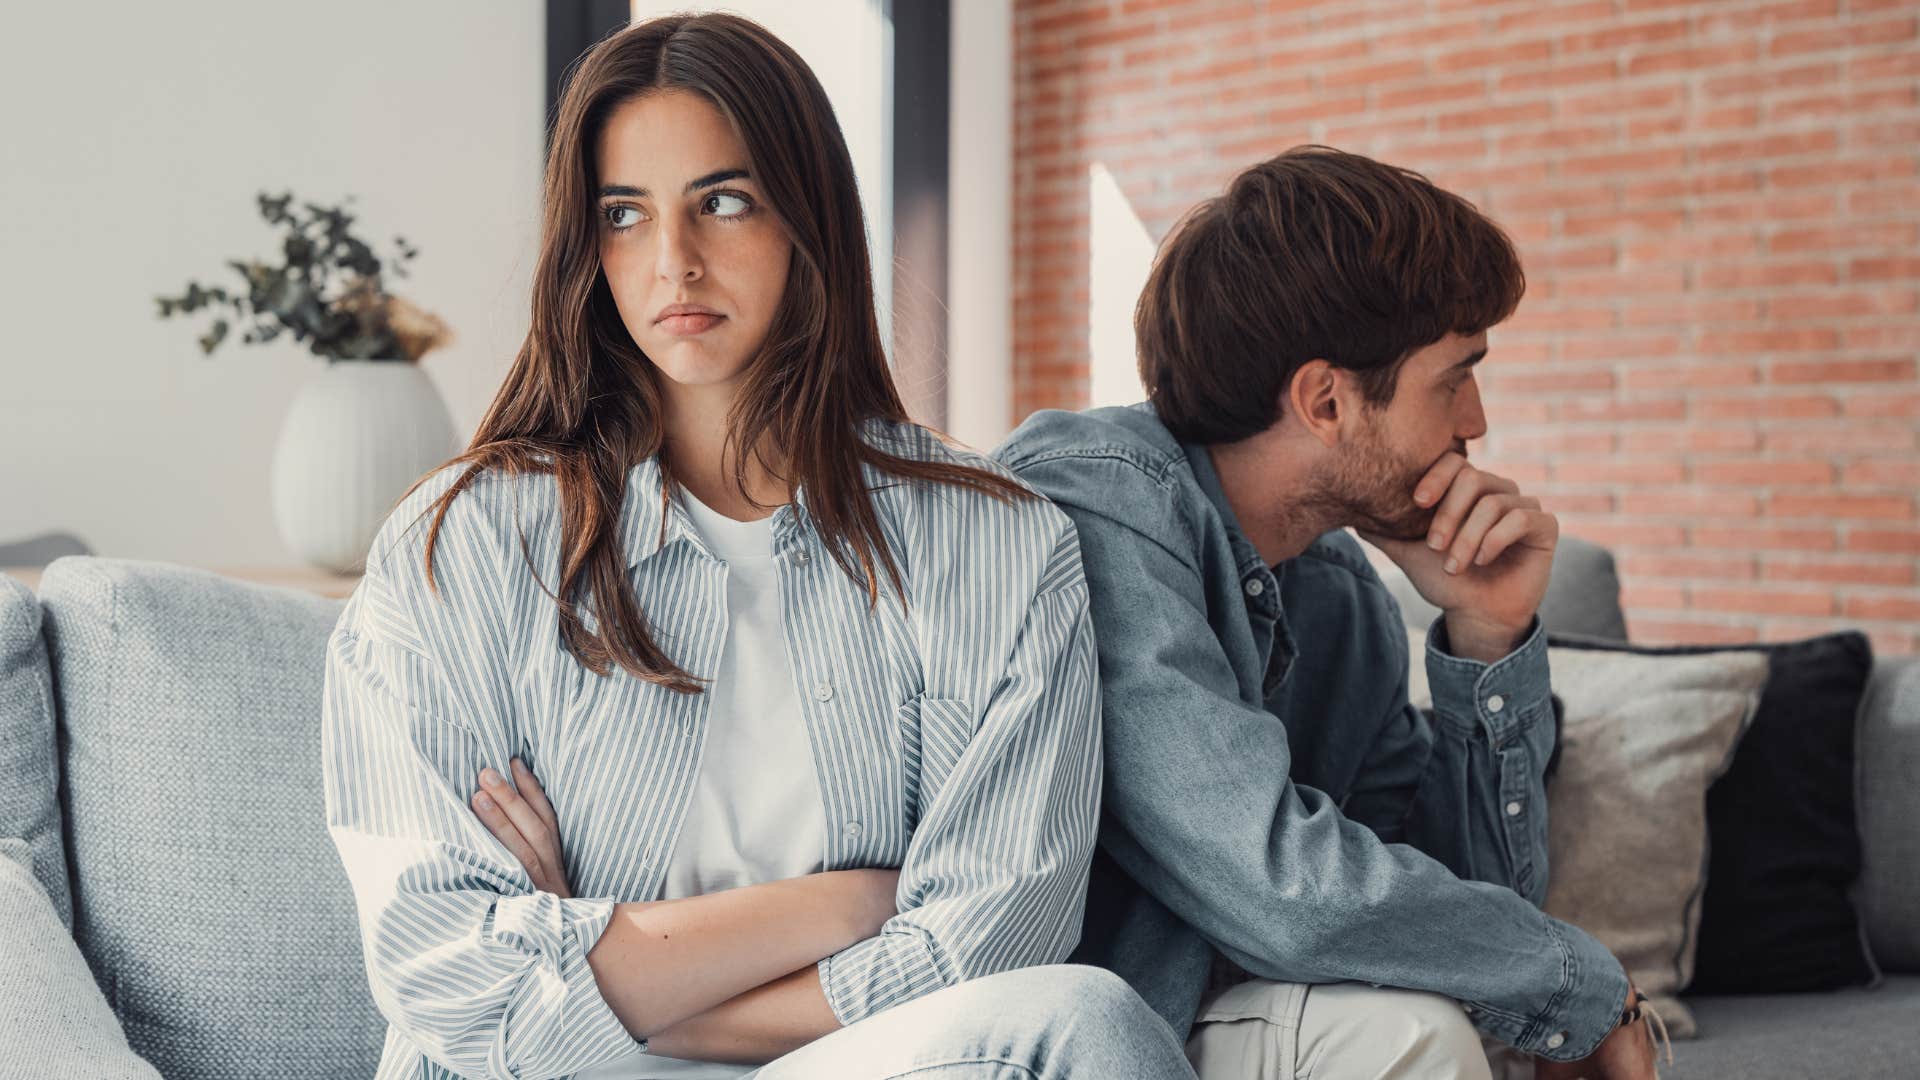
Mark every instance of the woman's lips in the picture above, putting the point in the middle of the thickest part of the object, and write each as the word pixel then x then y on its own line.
pixel 684 325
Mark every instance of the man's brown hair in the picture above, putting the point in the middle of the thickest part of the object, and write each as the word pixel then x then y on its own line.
pixel 1314 254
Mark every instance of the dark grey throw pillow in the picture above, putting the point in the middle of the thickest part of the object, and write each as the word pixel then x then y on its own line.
pixel 1784 841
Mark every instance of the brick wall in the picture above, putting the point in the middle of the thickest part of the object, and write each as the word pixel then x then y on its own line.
pixel 1719 211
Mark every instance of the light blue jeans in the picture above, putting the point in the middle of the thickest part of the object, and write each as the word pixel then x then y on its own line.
pixel 1060 1022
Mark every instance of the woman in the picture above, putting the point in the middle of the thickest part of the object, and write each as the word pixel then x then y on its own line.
pixel 811 696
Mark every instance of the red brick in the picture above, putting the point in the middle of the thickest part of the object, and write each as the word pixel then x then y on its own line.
pixel 1883 268
pixel 1687 375
pixel 1560 74
pixel 1880 403
pixel 1766 274
pixel 1693 58
pixel 1846 437
pixel 1763 601
pixel 1833 371
pixel 1610 409
pixel 1716 567
pixel 1620 535
pixel 1626 473
pixel 1872 472
pixel 1686 632
pixel 1884 607
pixel 1828 39
pixel 1747 538
pixel 1776 406
pixel 1845 571
pixel 1763 473
pixel 1891 541
pixel 1688 503
pixel 1841 507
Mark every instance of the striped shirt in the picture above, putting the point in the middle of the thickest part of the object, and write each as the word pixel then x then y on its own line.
pixel 957 740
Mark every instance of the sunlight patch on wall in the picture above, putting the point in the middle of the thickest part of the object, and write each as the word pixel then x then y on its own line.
pixel 1119 254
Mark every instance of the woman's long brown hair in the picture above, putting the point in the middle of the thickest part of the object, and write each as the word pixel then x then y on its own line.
pixel 583 402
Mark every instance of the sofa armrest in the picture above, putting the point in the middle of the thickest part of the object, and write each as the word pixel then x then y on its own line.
pixel 55 1015
pixel 1887 753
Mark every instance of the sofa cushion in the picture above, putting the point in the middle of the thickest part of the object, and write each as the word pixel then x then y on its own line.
pixel 1859 1034
pixel 1777 917
pixel 208 898
pixel 29 772
pixel 1889 792
pixel 54 1019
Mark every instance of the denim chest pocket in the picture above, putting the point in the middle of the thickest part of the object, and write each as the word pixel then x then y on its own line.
pixel 934 732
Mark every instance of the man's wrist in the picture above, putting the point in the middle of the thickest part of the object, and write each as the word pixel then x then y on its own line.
pixel 1473 638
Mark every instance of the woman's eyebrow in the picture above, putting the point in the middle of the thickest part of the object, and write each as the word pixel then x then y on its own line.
pixel 707 181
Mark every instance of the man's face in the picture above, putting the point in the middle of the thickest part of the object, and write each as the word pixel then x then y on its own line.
pixel 1435 408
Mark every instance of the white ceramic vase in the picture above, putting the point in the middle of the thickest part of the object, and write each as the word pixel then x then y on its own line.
pixel 359 434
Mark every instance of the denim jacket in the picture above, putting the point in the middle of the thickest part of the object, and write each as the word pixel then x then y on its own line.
pixel 1270 792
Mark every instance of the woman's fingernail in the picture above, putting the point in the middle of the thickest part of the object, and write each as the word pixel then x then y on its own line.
pixel 489 777
pixel 483 801
pixel 1453 566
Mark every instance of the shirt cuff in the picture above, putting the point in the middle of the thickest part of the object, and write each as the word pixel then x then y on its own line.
pixel 561 995
pixel 876 974
pixel 1499 698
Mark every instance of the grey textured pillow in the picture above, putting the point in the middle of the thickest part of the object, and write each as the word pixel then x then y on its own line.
pixel 208 898
pixel 1642 739
pixel 54 1023
pixel 29 776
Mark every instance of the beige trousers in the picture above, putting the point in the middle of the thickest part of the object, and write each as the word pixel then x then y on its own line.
pixel 1261 1030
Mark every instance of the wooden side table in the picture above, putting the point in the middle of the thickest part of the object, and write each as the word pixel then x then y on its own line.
pixel 312 580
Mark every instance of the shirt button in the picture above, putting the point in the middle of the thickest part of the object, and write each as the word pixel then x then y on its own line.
pixel 852 830
pixel 1255 587
pixel 823 692
pixel 1496 703
pixel 1513 809
pixel 801 556
pixel 1557 1040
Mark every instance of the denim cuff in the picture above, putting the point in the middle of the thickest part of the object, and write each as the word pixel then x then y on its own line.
pixel 1587 1008
pixel 1501 698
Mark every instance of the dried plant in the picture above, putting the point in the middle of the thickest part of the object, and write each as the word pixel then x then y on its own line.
pixel 329 293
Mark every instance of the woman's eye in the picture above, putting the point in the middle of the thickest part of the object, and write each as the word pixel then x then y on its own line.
pixel 726 204
pixel 614 219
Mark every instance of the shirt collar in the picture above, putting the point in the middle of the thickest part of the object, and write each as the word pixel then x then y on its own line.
pixel 642 507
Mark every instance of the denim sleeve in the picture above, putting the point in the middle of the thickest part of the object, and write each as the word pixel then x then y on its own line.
pixel 1270 871
pixel 995 877
pixel 1465 783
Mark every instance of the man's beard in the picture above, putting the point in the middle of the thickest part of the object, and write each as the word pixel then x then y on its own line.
pixel 1371 488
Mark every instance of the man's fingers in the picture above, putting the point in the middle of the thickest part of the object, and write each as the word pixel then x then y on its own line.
pixel 535 795
pixel 1466 542
pixel 1438 478
pixel 1469 486
pixel 502 827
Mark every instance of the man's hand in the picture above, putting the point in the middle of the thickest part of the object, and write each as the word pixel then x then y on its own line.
pixel 1486 558
pixel 526 824
pixel 1626 1054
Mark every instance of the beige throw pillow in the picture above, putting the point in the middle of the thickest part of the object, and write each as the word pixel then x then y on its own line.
pixel 1643 738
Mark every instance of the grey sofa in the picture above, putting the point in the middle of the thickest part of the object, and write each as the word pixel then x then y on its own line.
pixel 160 801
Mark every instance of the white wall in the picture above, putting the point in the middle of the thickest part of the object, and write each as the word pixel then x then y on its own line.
pixel 133 149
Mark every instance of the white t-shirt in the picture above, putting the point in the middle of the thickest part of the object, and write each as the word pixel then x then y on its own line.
pixel 756 813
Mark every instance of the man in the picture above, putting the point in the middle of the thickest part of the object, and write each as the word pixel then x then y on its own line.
pixel 1296 866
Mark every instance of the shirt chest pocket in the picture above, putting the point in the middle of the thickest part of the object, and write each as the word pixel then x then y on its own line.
pixel 934 732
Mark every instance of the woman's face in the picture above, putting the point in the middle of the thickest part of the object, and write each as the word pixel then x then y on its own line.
pixel 695 257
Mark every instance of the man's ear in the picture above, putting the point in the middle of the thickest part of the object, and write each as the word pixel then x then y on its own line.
pixel 1319 397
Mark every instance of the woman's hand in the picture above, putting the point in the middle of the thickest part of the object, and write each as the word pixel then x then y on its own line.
pixel 524 821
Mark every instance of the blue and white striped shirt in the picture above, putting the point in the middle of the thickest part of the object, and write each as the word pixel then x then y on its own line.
pixel 958 741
